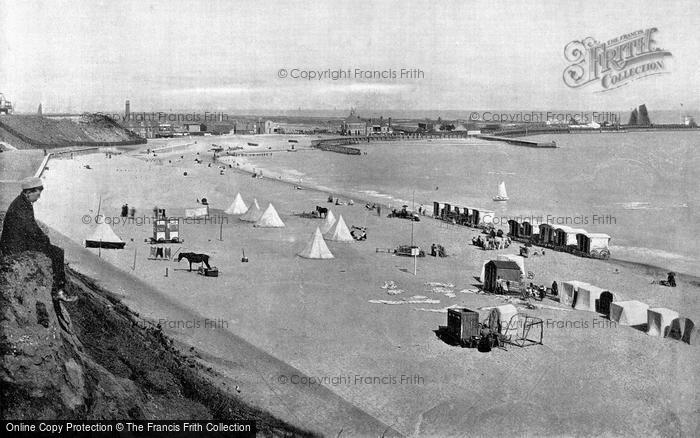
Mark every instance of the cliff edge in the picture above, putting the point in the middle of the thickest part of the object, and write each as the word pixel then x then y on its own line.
pixel 94 359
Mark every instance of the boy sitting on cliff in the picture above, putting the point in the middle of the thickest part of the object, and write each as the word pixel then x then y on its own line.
pixel 20 232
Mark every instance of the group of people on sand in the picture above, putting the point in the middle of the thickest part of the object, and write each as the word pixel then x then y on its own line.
pixel 359 233
pixel 337 201
pixel 437 250
pixel 127 211
pixel 373 206
pixel 494 240
pixel 670 280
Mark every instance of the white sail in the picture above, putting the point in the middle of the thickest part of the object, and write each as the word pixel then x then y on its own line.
pixel 502 190
pixel 502 195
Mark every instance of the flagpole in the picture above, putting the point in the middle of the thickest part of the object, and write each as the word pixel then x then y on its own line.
pixel 99 206
pixel 413 208
pixel 414 250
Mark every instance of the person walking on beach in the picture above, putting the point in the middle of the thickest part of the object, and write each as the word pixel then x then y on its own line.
pixel 20 232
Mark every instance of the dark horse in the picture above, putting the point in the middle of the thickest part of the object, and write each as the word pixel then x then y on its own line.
pixel 322 211
pixel 193 257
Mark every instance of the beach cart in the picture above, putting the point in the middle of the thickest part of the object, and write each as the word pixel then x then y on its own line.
pixel 166 231
pixel 463 327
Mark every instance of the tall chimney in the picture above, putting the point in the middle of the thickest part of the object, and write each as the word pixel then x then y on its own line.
pixel 39 111
pixel 127 110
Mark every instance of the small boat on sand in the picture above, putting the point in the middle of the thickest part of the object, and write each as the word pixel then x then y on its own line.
pixel 502 195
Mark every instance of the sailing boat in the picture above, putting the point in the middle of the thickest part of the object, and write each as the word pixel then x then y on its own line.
pixel 502 195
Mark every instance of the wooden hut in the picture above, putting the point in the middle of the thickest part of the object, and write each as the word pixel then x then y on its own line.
pixel 500 269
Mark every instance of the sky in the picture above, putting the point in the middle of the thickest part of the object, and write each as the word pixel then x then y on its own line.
pixel 220 55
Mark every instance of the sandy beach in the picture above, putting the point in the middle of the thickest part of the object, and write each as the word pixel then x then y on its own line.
pixel 589 377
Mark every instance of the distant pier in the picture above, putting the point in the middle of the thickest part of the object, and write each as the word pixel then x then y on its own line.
pixel 520 142
pixel 336 145
pixel 510 136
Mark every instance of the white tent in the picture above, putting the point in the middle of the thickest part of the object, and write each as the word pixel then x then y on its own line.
pixel 253 213
pixel 328 223
pixel 587 296
pixel 659 321
pixel 340 232
pixel 316 248
pixel 270 218
pixel 104 237
pixel 238 206
pixel 631 312
pixel 520 260
pixel 567 290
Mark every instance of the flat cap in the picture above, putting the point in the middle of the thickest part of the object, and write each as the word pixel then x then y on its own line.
pixel 31 183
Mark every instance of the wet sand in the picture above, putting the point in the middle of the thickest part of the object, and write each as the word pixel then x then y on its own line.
pixel 589 378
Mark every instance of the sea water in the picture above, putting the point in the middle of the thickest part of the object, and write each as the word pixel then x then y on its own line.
pixel 641 188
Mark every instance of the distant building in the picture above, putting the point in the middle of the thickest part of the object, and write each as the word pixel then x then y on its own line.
pixel 5 105
pixel 165 130
pixel 381 126
pixel 181 131
pixel 353 125
pixel 195 128
pixel 142 128
pixel 272 127
pixel 427 126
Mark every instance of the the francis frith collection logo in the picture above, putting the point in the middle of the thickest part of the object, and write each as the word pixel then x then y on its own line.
pixel 616 62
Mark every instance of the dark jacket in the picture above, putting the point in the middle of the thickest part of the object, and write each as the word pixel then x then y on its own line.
pixel 20 232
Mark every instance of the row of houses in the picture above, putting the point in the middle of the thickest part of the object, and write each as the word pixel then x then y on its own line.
pixel 355 125
pixel 274 127
pixel 154 129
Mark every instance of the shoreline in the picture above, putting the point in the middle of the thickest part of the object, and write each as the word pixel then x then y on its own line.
pixel 689 277
pixel 692 278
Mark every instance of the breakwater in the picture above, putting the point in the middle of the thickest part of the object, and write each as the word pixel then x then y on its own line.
pixel 539 130
pixel 520 142
pixel 335 145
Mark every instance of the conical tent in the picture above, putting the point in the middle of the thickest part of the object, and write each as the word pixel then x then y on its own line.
pixel 328 223
pixel 253 213
pixel 238 206
pixel 340 232
pixel 269 219
pixel 104 237
pixel 316 248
